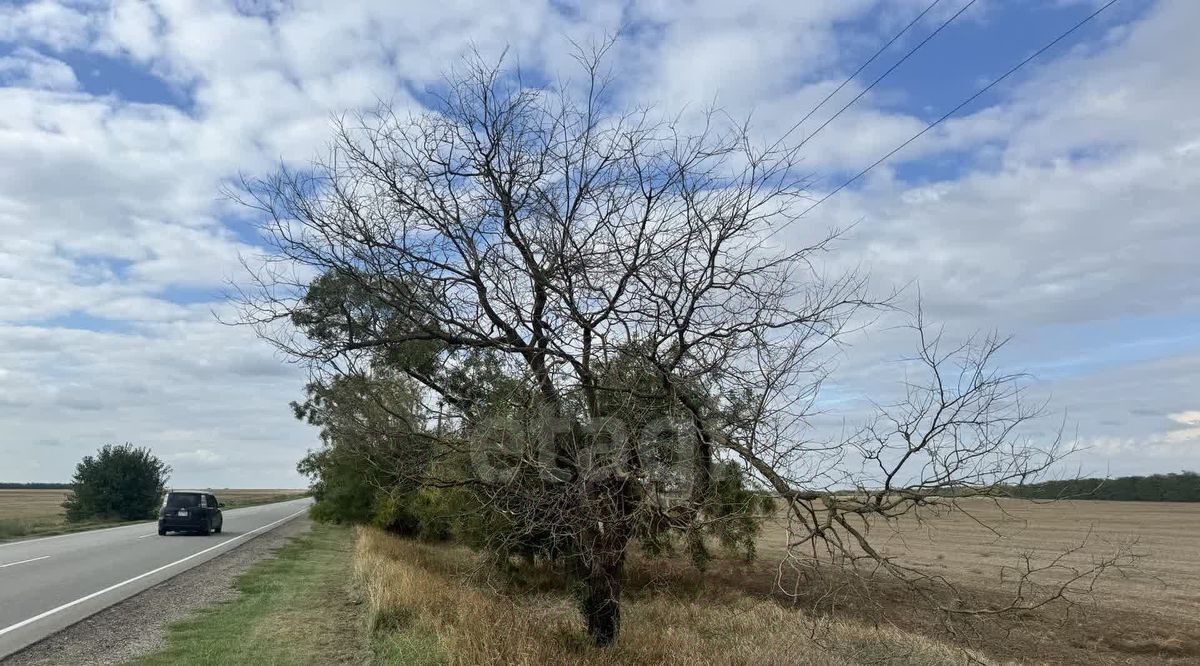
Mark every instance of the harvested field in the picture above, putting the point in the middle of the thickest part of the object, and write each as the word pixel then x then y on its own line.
pixel 1147 614
pixel 31 504
pixel 1164 535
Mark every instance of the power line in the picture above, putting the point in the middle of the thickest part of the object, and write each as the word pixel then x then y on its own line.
pixel 859 70
pixel 965 102
pixel 891 69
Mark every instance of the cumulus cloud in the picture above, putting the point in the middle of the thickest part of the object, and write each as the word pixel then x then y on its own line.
pixel 1089 185
pixel 177 386
pixel 1190 432
pixel 1076 206
pixel 30 69
pixel 1189 418
pixel 54 24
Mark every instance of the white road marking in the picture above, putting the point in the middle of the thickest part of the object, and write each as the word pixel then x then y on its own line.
pixel 147 536
pixel 72 604
pixel 13 564
pixel 22 542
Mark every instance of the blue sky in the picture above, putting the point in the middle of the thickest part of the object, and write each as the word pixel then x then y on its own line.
pixel 1059 208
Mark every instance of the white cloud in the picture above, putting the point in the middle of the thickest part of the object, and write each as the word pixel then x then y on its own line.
pixel 1188 418
pixel 181 387
pixel 1189 433
pixel 1183 436
pixel 53 24
pixel 1078 203
pixel 28 68
pixel 133 27
pixel 1089 210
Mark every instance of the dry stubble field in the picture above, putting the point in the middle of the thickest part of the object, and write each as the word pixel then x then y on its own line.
pixel 1149 612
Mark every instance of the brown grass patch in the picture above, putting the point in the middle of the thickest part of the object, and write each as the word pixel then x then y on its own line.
pixel 736 613
pixel 481 620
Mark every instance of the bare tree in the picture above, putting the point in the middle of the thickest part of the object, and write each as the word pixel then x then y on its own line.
pixel 963 432
pixel 591 280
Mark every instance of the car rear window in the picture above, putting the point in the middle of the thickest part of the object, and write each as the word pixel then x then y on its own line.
pixel 183 500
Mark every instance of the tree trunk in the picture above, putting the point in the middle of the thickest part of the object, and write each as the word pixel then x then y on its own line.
pixel 600 555
pixel 601 599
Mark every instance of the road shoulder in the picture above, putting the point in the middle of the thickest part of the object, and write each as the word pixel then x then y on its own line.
pixel 138 625
pixel 295 608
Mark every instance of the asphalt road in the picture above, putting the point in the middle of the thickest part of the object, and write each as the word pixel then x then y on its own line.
pixel 49 584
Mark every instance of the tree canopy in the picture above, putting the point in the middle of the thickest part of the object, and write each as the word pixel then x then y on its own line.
pixel 582 320
pixel 120 482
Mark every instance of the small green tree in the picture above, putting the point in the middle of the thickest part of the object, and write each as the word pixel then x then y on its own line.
pixel 120 482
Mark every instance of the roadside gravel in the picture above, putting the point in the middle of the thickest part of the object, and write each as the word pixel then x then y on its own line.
pixel 136 626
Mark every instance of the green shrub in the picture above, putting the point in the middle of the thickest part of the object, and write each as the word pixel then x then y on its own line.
pixel 118 483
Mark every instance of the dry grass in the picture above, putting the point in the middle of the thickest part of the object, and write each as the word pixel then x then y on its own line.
pixel 31 512
pixel 425 590
pixel 735 613
pixel 32 504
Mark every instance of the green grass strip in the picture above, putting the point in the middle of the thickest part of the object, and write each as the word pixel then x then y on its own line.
pixel 296 608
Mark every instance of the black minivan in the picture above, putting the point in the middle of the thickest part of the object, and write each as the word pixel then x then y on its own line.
pixel 190 511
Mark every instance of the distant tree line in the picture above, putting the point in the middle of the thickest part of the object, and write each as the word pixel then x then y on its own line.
pixel 1173 487
pixel 35 486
